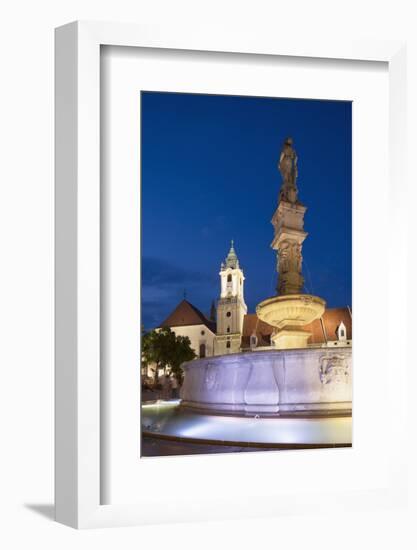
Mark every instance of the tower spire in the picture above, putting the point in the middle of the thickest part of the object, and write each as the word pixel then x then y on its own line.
pixel 213 311
pixel 232 259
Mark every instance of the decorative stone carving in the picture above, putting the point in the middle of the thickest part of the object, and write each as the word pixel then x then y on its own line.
pixel 298 259
pixel 333 369
pixel 290 282
pixel 287 166
pixel 211 376
pixel 289 259
pixel 284 254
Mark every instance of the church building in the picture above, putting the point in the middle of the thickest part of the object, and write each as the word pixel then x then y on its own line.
pixel 187 320
pixel 231 329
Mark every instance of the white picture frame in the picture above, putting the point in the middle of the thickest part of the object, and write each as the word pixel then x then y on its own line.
pixel 78 320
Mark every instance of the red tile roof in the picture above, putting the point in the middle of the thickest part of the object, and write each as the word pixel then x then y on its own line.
pixel 322 330
pixel 332 319
pixel 252 324
pixel 185 314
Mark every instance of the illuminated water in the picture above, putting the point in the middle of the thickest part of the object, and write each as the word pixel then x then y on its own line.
pixel 167 418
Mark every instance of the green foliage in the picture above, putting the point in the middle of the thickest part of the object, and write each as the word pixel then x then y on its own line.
pixel 167 351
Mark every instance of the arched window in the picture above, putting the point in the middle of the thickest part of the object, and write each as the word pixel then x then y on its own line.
pixel 228 329
pixel 341 332
pixel 202 350
pixel 228 344
pixel 229 278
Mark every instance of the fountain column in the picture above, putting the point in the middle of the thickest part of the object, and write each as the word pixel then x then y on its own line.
pixel 290 310
pixel 288 222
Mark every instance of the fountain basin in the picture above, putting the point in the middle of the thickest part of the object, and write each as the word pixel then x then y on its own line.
pixel 170 421
pixel 312 381
pixel 288 314
pixel 295 310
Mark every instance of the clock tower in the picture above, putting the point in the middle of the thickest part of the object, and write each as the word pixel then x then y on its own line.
pixel 231 307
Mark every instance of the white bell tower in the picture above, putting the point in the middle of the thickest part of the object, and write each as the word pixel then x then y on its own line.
pixel 231 307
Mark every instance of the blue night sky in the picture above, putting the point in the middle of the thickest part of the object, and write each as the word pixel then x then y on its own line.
pixel 209 175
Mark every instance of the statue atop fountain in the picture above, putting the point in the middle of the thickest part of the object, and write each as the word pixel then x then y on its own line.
pixel 290 309
pixel 287 165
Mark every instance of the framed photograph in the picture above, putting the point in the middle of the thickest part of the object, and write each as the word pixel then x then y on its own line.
pixel 222 318
pixel 202 384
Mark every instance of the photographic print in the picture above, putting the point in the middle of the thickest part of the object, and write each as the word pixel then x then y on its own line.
pixel 246 284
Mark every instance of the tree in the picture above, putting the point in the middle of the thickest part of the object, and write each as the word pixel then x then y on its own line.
pixel 182 352
pixel 166 350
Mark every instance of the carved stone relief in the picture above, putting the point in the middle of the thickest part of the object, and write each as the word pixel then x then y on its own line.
pixel 333 369
pixel 211 376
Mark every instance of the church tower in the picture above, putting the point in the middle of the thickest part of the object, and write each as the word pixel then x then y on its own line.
pixel 231 307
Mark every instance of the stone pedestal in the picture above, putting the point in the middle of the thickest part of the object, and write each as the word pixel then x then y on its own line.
pixel 289 235
pixel 290 338
pixel 290 310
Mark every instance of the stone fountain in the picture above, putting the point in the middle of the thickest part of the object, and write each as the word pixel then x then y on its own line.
pixel 290 310
pixel 290 378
